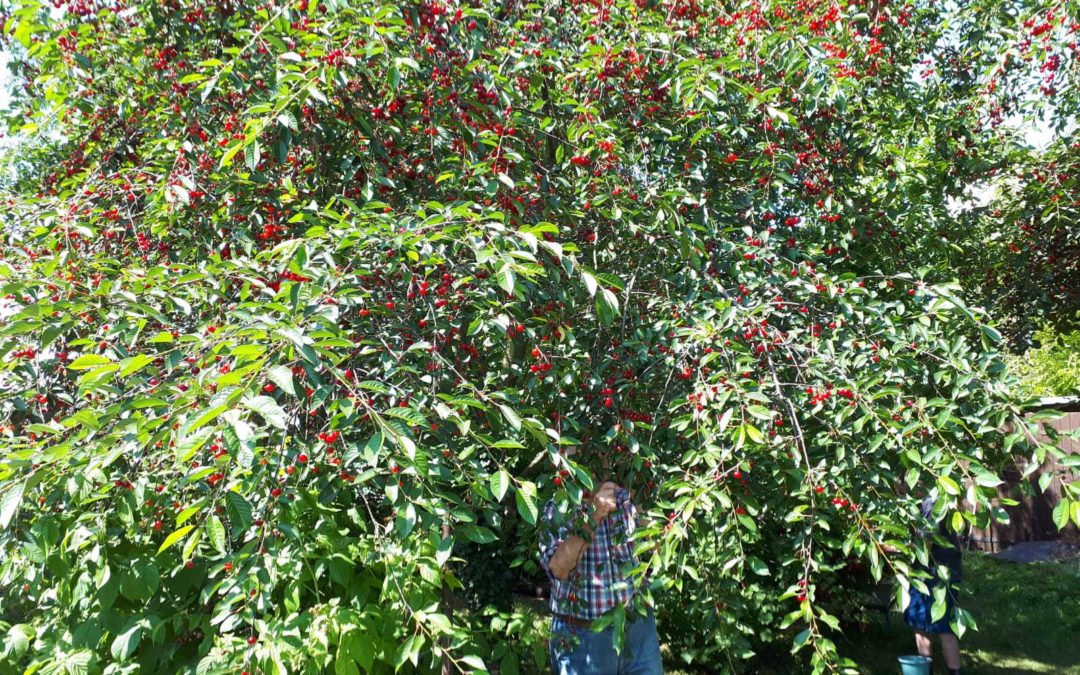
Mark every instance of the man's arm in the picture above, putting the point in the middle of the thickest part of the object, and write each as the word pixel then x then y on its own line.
pixel 566 556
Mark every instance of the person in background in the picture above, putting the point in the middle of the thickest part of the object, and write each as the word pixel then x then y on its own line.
pixel 918 613
pixel 587 555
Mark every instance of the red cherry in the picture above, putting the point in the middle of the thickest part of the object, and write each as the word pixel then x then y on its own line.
pixel 276 492
pixel 252 640
pixel 302 458
pixel 390 304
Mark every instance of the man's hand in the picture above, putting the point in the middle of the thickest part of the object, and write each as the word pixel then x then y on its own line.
pixel 603 501
pixel 566 557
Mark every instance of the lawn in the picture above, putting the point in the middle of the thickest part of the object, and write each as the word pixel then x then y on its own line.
pixel 1028 616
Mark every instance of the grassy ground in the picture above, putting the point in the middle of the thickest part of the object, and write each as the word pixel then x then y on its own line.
pixel 1028 616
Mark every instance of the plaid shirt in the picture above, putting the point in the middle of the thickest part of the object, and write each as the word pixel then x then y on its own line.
pixel 600 580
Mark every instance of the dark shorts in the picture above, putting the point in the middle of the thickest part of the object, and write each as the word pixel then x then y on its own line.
pixel 919 612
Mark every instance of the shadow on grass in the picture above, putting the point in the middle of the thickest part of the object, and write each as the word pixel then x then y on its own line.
pixel 1028 617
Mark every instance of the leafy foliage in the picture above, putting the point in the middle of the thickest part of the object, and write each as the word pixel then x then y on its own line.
pixel 313 294
pixel 1024 245
pixel 1052 368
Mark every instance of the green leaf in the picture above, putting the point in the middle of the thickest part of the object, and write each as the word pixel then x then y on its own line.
pixel 511 416
pixel 991 333
pixel 215 533
pixel 240 511
pixel 499 483
pixel 206 418
pixel 801 639
pixel 505 276
pixel 408 651
pixel 758 566
pixel 134 364
pixel 760 412
pixel 987 479
pixel 607 306
pixel 1061 513
pixel 189 445
pixel 140 581
pixel 268 408
pixel 252 155
pixel 474 662
pixel 478 534
pixel 9 505
pixel 174 537
pixel 611 281
pixel 287 119
pixel 17 640
pixel 125 644
pixel 344 662
pixel 282 376
pixel 190 511
pixel 410 415
pixel 590 282
pixel 948 485
pixel 88 361
pixel 193 541
pixel 525 496
pixel 443 551
pixel 754 433
pixel 75 662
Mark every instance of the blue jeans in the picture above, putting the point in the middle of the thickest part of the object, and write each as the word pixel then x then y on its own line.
pixel 593 653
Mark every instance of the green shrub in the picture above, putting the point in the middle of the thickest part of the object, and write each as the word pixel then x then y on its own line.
pixel 1052 368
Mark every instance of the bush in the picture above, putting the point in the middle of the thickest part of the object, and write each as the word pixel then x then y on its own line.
pixel 1052 368
pixel 308 303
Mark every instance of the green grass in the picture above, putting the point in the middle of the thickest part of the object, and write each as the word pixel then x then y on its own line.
pixel 1028 617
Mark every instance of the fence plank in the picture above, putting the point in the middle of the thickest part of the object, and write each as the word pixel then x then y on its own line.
pixel 1032 519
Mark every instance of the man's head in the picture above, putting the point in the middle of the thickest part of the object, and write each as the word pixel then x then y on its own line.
pixel 601 466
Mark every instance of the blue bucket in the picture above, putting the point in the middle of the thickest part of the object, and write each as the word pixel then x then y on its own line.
pixel 914 665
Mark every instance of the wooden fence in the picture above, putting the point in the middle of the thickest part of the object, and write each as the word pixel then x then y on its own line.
pixel 1032 519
